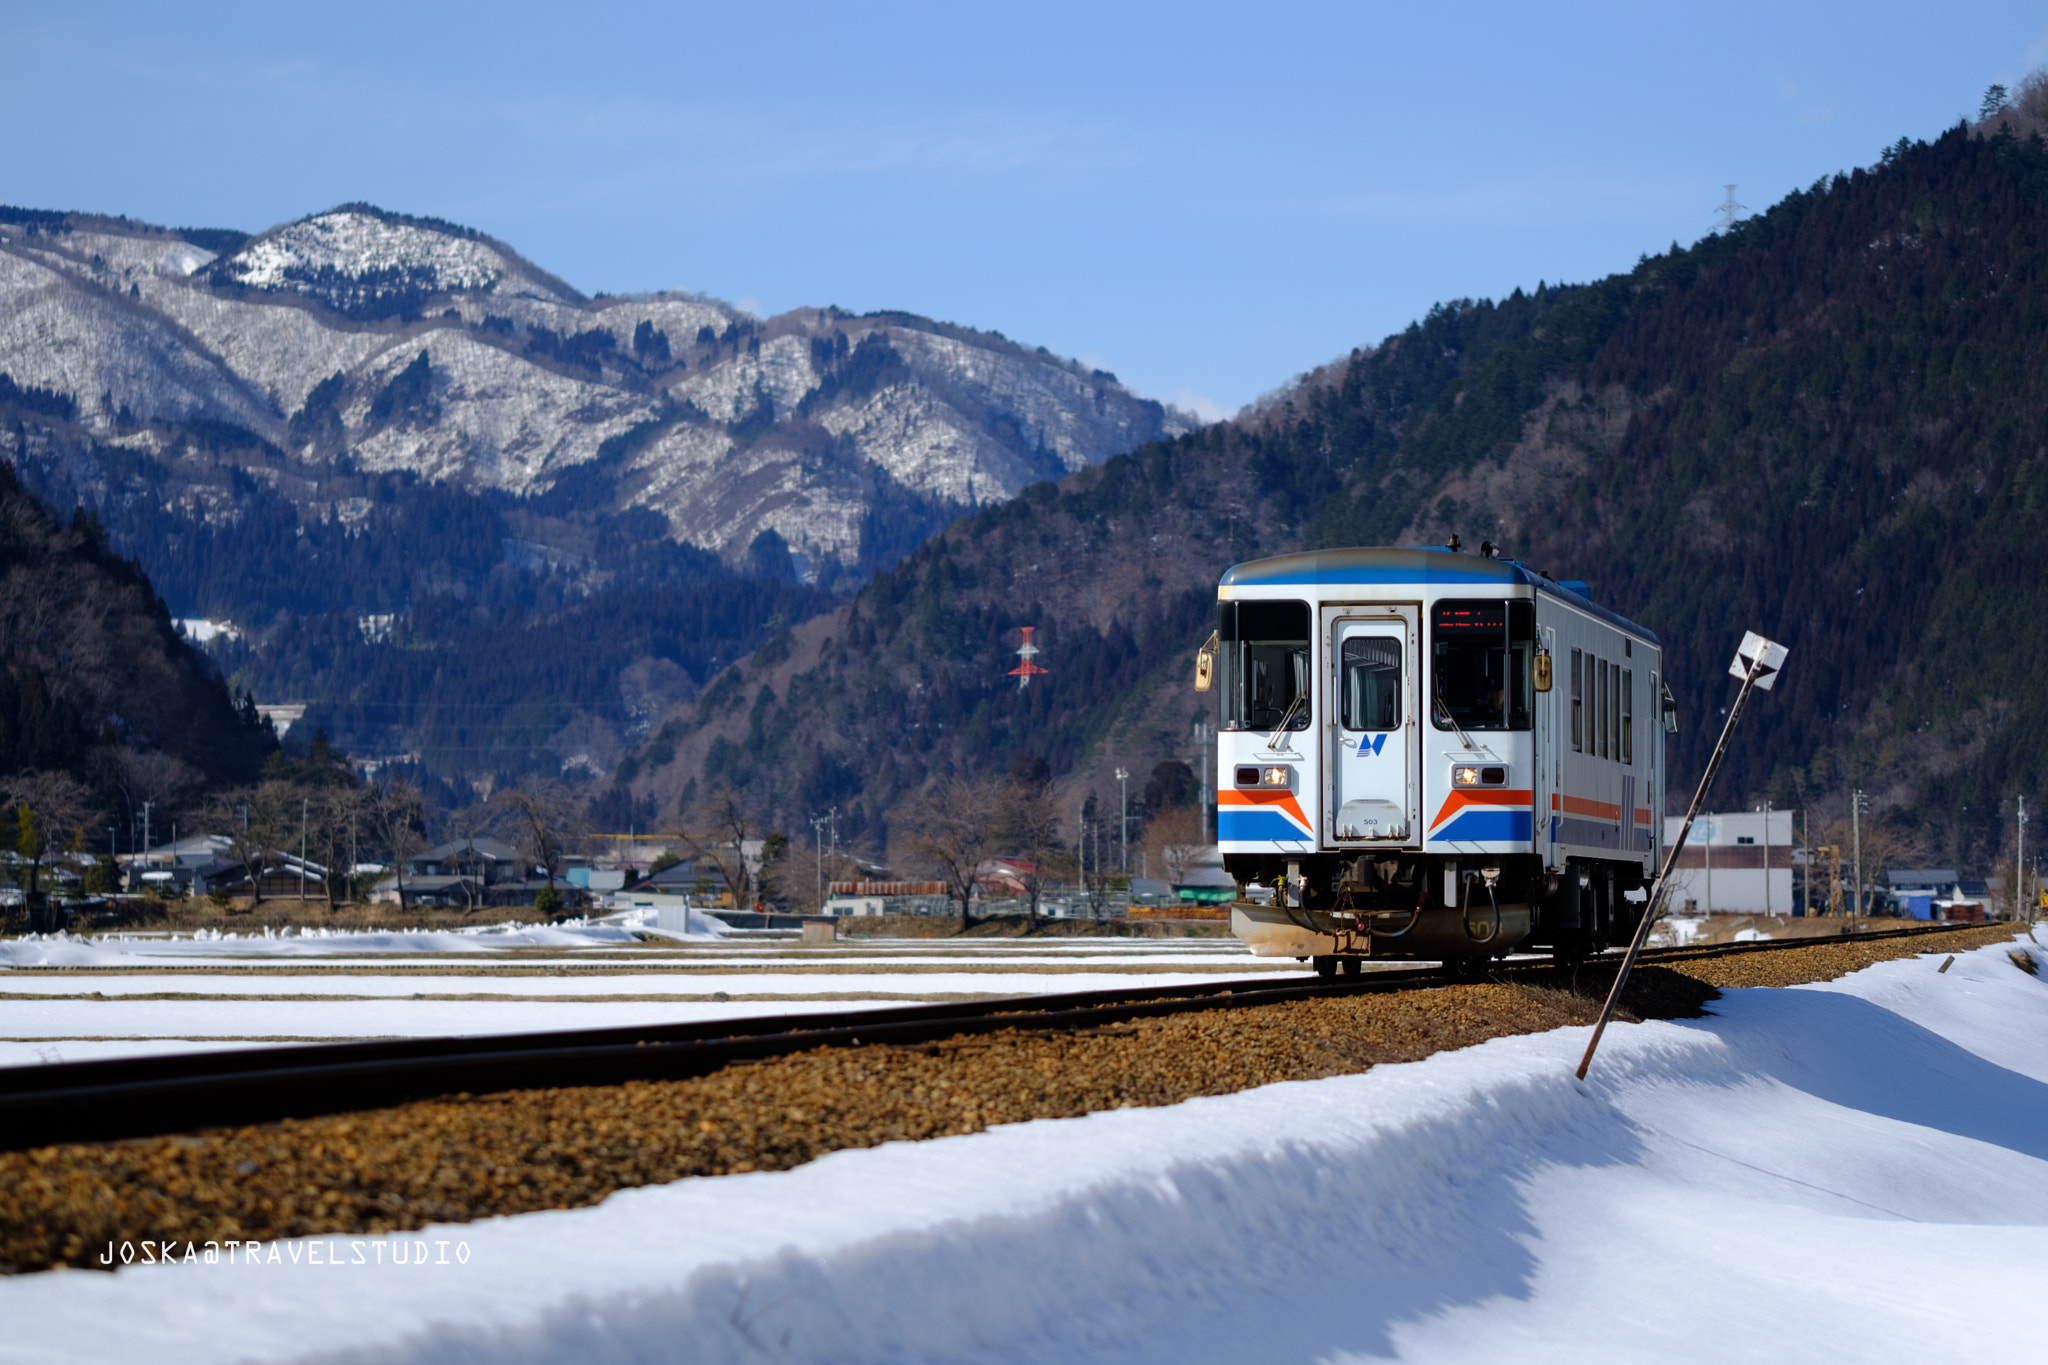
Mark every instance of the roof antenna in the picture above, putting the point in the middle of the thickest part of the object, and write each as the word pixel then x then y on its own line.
pixel 1453 544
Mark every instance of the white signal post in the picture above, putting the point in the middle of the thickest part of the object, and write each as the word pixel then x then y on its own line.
pixel 1757 662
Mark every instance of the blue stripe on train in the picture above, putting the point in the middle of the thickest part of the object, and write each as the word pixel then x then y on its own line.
pixel 1257 826
pixel 1479 826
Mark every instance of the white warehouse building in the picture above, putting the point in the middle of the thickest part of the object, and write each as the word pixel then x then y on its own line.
pixel 1735 863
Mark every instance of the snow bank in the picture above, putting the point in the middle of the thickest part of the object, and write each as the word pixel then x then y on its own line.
pixel 1853 1171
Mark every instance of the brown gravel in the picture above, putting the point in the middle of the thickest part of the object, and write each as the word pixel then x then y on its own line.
pixel 463 1158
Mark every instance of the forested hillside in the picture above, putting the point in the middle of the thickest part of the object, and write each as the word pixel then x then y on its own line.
pixel 93 675
pixel 1115 568
pixel 1828 424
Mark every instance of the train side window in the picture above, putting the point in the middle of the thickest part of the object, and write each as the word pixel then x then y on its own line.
pixel 1606 709
pixel 1372 683
pixel 1600 708
pixel 1613 738
pixel 1578 701
pixel 1628 715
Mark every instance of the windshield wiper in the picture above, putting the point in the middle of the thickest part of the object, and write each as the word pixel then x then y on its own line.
pixel 1445 711
pixel 1285 718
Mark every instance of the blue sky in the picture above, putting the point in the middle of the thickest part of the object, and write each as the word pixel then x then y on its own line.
pixel 1206 199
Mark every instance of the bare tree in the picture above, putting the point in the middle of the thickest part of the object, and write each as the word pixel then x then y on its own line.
pixel 550 818
pixel 397 815
pixel 464 827
pixel 153 780
pixel 949 830
pixel 337 814
pixel 1174 836
pixel 248 819
pixel 717 830
pixel 50 808
pixel 1027 823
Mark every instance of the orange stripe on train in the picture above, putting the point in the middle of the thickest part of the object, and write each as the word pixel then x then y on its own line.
pixel 1283 799
pixel 1457 801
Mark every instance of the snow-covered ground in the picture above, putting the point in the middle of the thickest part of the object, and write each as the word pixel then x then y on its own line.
pixel 71 999
pixel 1852 1171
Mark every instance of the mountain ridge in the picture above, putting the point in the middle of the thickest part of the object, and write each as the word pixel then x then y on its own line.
pixel 526 379
pixel 1826 424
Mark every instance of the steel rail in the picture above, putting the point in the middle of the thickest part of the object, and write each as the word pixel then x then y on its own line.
pixel 118 1098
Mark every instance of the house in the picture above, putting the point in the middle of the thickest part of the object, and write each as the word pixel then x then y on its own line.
pixel 687 878
pixel 456 891
pixel 1913 889
pixel 279 876
pixel 487 862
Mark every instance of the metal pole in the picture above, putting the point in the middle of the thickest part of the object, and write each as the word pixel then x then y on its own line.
pixel 1123 812
pixel 1767 858
pixel 1663 885
pixel 818 834
pixel 1708 848
pixel 1856 834
pixel 1806 861
pixel 2019 868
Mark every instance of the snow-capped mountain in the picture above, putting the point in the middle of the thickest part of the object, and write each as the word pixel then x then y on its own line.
pixel 369 341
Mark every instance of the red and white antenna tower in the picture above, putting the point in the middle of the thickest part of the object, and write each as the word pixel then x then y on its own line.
pixel 1028 652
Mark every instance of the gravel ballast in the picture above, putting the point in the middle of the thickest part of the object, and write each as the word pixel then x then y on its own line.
pixel 469 1157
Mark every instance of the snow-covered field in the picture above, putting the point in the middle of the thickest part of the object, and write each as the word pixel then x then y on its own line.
pixel 68 999
pixel 1852 1171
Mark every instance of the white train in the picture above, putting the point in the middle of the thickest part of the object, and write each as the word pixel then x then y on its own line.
pixel 1428 754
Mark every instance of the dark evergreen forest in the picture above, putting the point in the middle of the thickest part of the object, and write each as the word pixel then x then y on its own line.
pixel 91 666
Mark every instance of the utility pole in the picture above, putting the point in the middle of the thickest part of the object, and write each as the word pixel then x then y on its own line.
pixel 1806 861
pixel 303 806
pixel 2019 868
pixel 1707 847
pixel 1080 848
pixel 1856 843
pixel 146 844
pixel 821 824
pixel 1767 858
pixel 1123 813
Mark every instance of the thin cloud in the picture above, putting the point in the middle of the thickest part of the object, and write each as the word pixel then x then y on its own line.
pixel 1201 405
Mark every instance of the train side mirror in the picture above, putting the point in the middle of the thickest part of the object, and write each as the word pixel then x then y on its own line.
pixel 1670 711
pixel 1205 664
pixel 1542 670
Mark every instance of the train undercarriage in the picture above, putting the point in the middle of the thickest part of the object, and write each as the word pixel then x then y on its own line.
pixel 1338 910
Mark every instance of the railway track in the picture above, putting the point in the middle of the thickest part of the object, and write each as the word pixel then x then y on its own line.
pixel 137 1097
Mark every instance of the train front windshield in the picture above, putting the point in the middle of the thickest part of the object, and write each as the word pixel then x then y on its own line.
pixel 1481 652
pixel 1263 656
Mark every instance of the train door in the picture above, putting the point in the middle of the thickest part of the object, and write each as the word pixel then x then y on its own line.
pixel 1374 764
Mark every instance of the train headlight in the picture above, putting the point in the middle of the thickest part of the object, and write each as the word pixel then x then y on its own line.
pixel 1276 777
pixel 1476 775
